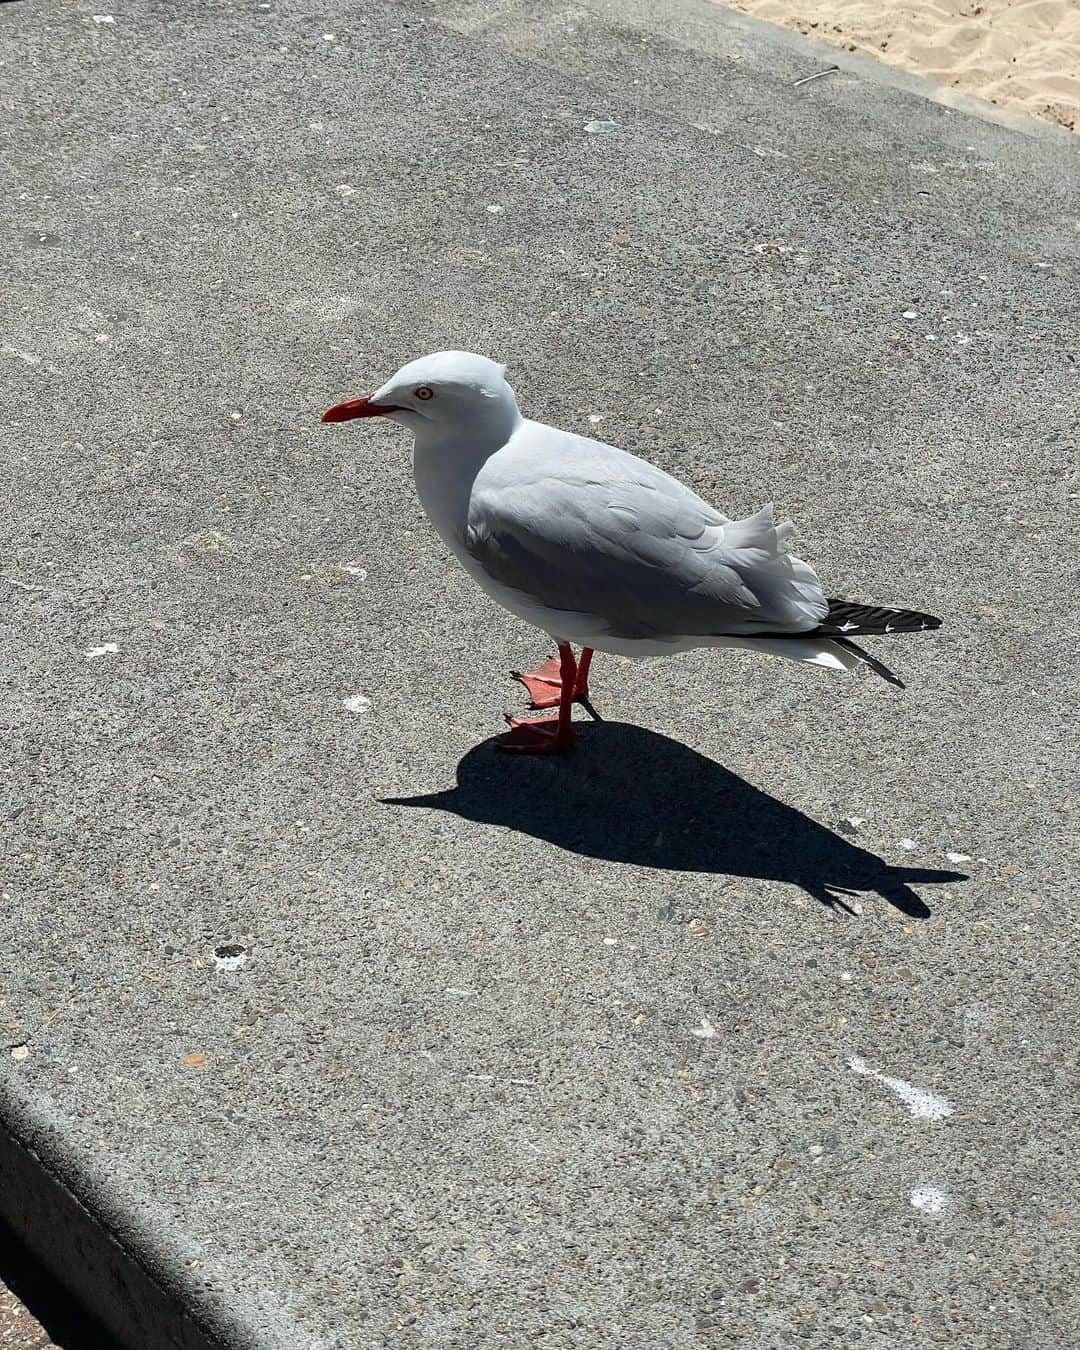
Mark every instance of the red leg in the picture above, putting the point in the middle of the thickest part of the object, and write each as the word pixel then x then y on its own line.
pixel 545 682
pixel 581 688
pixel 544 735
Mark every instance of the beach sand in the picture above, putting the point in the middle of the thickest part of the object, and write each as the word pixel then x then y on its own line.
pixel 1019 54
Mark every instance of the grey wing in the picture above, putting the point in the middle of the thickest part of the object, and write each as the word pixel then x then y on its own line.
pixel 648 559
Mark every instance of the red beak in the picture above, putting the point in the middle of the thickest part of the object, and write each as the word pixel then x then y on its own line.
pixel 357 407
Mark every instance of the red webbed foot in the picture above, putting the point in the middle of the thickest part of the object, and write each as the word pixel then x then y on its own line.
pixel 545 682
pixel 537 735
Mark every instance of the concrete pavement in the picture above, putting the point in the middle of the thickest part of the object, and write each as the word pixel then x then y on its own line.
pixel 572 1054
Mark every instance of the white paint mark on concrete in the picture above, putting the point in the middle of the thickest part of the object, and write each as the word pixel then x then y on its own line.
pixel 356 703
pixel 919 1101
pixel 28 357
pixel 929 1199
pixel 106 649
pixel 764 151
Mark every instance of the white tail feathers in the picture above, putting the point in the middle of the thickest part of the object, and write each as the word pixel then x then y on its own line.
pixel 832 654
pixel 815 651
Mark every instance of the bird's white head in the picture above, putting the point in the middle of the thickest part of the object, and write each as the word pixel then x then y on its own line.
pixel 438 394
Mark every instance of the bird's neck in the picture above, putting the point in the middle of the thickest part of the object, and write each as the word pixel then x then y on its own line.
pixel 446 461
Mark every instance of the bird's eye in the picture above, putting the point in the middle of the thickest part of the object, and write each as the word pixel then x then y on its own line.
pixel 424 393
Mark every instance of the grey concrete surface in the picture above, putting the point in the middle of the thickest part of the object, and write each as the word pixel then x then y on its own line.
pixel 562 1055
pixel 849 132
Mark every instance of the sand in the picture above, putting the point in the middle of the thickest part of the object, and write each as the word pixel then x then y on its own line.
pixel 1019 54
pixel 19 1330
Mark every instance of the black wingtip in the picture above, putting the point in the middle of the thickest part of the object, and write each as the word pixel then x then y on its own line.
pixel 879 667
pixel 849 619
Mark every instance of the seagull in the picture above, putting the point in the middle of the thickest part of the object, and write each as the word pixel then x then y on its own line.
pixel 601 549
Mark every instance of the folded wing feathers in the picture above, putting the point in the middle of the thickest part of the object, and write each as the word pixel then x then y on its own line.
pixel 761 544
pixel 787 588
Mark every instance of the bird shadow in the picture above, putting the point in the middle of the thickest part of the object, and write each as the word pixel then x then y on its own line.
pixel 632 796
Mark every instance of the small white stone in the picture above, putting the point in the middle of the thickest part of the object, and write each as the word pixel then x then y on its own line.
pixel 496 209
pixel 20 1052
pixel 106 649
pixel 354 570
pixel 228 964
pixel 845 976
pixel 103 18
pixel 356 703
pixel 911 314
pixel 603 126
pixel 908 844
pixel 611 942
pixel 329 37
pixel 345 190
pixel 705 1032
pixel 594 418
pixel 958 857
